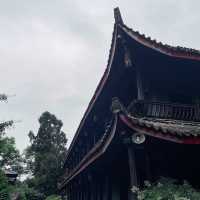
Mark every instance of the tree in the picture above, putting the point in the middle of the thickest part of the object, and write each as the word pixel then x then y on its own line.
pixel 46 154
pixel 9 156
pixel 4 187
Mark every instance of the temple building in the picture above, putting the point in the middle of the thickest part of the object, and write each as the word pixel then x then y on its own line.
pixel 142 123
pixel 11 176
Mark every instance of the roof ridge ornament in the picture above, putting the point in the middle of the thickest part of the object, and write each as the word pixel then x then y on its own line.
pixel 117 15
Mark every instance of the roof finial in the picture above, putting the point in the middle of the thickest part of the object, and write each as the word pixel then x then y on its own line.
pixel 118 17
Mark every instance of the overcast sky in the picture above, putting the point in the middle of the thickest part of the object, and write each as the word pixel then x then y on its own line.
pixel 53 53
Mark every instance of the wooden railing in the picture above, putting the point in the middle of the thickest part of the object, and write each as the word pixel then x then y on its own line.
pixel 165 110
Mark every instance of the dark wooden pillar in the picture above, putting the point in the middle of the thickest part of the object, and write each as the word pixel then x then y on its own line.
pixel 86 192
pixel 107 190
pixel 72 192
pixel 92 186
pixel 78 191
pixel 100 189
pixel 148 164
pixel 82 189
pixel 133 172
pixel 115 190
pixel 89 192
pixel 67 195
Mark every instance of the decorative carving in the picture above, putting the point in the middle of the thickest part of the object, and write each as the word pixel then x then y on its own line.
pixel 127 58
pixel 116 106
pixel 127 54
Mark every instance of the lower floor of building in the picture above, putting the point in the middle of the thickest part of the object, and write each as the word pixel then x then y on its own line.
pixel 125 166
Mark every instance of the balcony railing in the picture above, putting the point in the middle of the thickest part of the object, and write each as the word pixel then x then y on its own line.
pixel 165 110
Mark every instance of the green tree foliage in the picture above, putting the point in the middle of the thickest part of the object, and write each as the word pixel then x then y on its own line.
pixel 46 154
pixel 168 189
pixel 25 192
pixel 4 187
pixel 5 125
pixel 9 156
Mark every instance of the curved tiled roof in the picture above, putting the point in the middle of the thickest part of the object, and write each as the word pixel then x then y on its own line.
pixel 175 51
pixel 173 130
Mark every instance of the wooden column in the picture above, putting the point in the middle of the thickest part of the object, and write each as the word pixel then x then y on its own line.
pixel 84 190
pixel 95 196
pixel 100 189
pixel 78 192
pixel 68 193
pixel 107 192
pixel 94 181
pixel 81 188
pixel 92 188
pixel 72 192
pixel 133 172
pixel 89 192
pixel 148 165
pixel 115 191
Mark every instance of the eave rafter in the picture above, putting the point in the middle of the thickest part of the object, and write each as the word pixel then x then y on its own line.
pixel 98 150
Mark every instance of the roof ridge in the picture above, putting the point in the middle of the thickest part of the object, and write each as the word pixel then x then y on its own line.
pixel 117 15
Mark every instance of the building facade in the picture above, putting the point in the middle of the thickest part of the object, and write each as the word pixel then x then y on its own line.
pixel 143 121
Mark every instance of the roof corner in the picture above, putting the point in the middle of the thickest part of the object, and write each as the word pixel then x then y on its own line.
pixel 118 17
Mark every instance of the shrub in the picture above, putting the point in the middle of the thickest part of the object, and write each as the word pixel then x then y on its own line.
pixel 4 187
pixel 168 189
